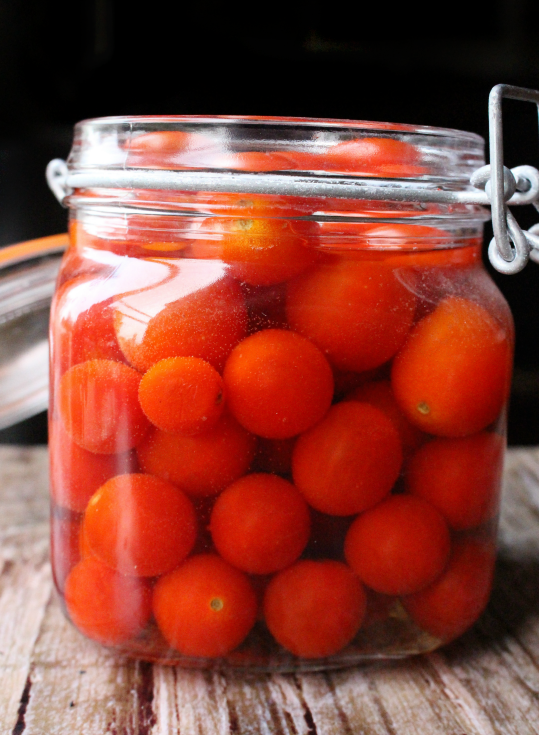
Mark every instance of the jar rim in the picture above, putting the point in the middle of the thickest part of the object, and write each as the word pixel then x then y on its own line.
pixel 285 121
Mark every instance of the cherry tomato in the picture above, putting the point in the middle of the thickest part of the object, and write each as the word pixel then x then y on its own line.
pixel 76 473
pixel 314 608
pixel 452 377
pixel 182 395
pixel 106 606
pixel 398 547
pixel 381 156
pixel 379 394
pixel 140 525
pixel 98 402
pixel 88 333
pixel 349 461
pixel 261 251
pixel 460 477
pixel 278 384
pixel 358 313
pixel 205 607
pixel 166 148
pixel 452 603
pixel 206 322
pixel 260 523
pixel 202 464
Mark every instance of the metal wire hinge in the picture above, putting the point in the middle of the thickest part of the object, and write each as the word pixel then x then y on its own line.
pixel 511 247
pixel 495 185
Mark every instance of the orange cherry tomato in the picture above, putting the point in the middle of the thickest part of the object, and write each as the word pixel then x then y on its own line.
pixel 202 464
pixel 182 395
pixel 460 477
pixel 166 148
pixel 206 322
pixel 205 607
pixel 98 402
pixel 65 548
pixel 452 603
pixel 452 377
pixel 278 384
pixel 314 608
pixel 260 524
pixel 261 251
pixel 106 606
pixel 398 547
pixel 357 312
pixel 76 473
pixel 140 525
pixel 349 461
pixel 380 156
pixel 379 394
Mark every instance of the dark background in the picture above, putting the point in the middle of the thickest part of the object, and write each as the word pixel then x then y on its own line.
pixel 420 62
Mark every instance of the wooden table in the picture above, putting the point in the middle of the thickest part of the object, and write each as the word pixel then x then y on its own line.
pixel 53 681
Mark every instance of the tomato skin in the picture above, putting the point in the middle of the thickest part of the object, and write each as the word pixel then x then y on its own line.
pixel 399 546
pixel 374 156
pixel 460 477
pixel 183 395
pixel 260 524
pixel 314 608
pixel 452 377
pixel 349 461
pixel 357 312
pixel 379 394
pixel 106 606
pixel 98 403
pixel 76 473
pixel 207 322
pixel 452 603
pixel 278 383
pixel 260 251
pixel 204 608
pixel 202 464
pixel 140 525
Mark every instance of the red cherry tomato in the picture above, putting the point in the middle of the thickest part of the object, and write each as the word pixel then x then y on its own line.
pixel 207 321
pixel 140 525
pixel 106 606
pixel 260 524
pixel 76 473
pixel 202 464
pixel 261 251
pixel 314 608
pixel 452 603
pixel 379 394
pixel 357 312
pixel 399 546
pixel 98 402
pixel 452 377
pixel 375 156
pixel 461 477
pixel 278 384
pixel 349 461
pixel 205 607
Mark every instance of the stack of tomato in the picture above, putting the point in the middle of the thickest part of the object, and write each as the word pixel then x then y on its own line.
pixel 253 431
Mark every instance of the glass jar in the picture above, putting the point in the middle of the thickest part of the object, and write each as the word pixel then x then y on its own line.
pixel 277 420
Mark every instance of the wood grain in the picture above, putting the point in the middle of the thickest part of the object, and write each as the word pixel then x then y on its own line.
pixel 53 681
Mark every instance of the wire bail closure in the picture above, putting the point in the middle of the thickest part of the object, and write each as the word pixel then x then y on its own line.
pixel 495 185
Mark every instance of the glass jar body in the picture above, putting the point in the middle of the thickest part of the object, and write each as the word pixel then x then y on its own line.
pixel 276 437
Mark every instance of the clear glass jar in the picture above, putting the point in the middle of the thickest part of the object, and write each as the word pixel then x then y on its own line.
pixel 277 422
